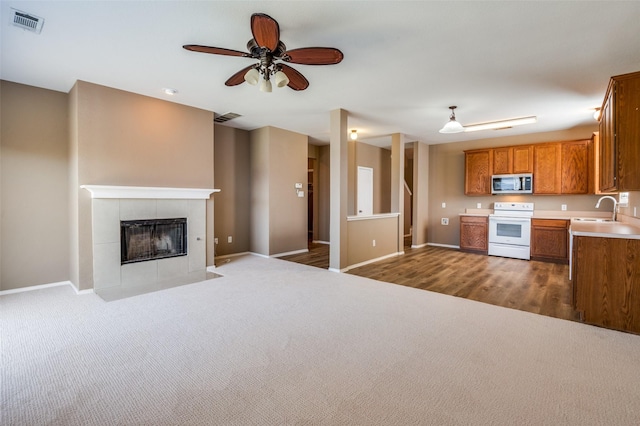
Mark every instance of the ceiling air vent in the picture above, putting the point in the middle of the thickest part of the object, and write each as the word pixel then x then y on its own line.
pixel 226 117
pixel 26 21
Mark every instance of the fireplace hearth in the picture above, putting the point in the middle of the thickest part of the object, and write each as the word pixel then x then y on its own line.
pixel 151 239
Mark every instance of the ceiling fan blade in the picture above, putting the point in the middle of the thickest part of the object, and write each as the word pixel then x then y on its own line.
pixel 296 80
pixel 238 78
pixel 314 56
pixel 215 50
pixel 265 30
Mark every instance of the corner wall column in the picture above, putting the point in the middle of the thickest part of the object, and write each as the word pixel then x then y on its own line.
pixel 338 187
pixel 397 184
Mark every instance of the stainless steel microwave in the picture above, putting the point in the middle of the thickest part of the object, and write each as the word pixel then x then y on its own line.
pixel 512 184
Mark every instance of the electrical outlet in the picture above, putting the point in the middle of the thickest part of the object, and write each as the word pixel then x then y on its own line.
pixel 623 199
pixel 563 207
pixel 444 221
pixel 444 205
pixel 374 243
pixel 215 241
pixel 478 205
pixel 229 239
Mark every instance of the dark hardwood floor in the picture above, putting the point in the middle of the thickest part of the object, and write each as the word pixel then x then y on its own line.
pixel 532 286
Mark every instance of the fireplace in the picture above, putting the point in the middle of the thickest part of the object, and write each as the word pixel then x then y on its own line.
pixel 173 221
pixel 143 240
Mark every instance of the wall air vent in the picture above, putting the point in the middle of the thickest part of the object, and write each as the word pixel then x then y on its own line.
pixel 226 117
pixel 26 21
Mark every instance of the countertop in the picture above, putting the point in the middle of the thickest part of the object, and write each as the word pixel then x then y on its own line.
pixel 629 228
pixel 605 230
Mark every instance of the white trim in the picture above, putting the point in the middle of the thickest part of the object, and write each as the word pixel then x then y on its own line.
pixel 336 270
pixel 366 262
pixel 225 256
pixel 444 245
pixel 417 246
pixel 320 242
pixel 373 216
pixel 43 286
pixel 148 192
pixel 290 253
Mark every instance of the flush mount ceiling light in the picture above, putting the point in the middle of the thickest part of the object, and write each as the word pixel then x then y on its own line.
pixel 501 124
pixel 452 126
pixel 353 135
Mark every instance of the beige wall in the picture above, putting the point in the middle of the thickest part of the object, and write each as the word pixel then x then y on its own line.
pixel 233 202
pixel 369 239
pixel 379 159
pixel 278 215
pixel 324 184
pixel 132 140
pixel 33 171
pixel 446 177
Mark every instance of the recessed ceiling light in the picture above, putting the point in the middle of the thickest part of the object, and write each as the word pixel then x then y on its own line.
pixel 169 91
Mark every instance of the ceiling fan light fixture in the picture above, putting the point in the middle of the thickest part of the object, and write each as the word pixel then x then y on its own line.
pixel 281 79
pixel 252 76
pixel 452 126
pixel 501 124
pixel 265 86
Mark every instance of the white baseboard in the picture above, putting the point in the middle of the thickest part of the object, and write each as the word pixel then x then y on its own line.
pixel 227 256
pixel 42 286
pixel 366 262
pixel 289 253
pixel 444 245
pixel 320 242
pixel 417 246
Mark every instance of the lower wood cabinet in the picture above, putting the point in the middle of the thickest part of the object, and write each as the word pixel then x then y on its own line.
pixel 550 240
pixel 474 234
pixel 606 282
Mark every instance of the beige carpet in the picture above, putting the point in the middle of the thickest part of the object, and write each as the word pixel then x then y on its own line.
pixel 275 343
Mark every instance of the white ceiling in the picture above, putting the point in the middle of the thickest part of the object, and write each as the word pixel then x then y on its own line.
pixel 404 62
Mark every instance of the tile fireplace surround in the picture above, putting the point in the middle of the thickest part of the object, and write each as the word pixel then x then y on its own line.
pixel 112 204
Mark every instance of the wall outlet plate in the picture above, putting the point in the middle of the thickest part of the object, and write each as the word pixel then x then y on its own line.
pixel 444 221
pixel 563 207
pixel 623 199
pixel 298 186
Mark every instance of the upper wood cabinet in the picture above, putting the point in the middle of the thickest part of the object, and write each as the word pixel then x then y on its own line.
pixel 478 170
pixel 547 168
pixel 575 167
pixel 513 159
pixel 619 134
pixel 562 167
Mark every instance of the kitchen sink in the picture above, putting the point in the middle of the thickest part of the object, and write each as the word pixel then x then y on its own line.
pixel 591 219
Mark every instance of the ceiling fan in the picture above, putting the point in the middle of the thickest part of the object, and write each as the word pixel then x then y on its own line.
pixel 266 47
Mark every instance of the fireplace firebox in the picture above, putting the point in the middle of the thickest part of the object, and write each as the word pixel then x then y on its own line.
pixel 142 240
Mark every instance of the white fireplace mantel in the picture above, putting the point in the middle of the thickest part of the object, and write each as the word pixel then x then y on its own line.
pixel 148 192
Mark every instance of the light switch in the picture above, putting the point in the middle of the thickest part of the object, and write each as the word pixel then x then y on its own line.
pixel 444 205
pixel 301 194
pixel 298 186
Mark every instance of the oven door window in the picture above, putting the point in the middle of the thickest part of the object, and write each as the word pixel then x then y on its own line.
pixel 509 230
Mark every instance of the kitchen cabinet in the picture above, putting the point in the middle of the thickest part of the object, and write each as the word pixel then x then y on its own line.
pixel 550 240
pixel 474 234
pixel 478 170
pixel 547 168
pixel 619 134
pixel 606 282
pixel 562 167
pixel 513 159
pixel 575 167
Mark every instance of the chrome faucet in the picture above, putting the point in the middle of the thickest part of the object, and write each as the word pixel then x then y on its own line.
pixel 615 205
